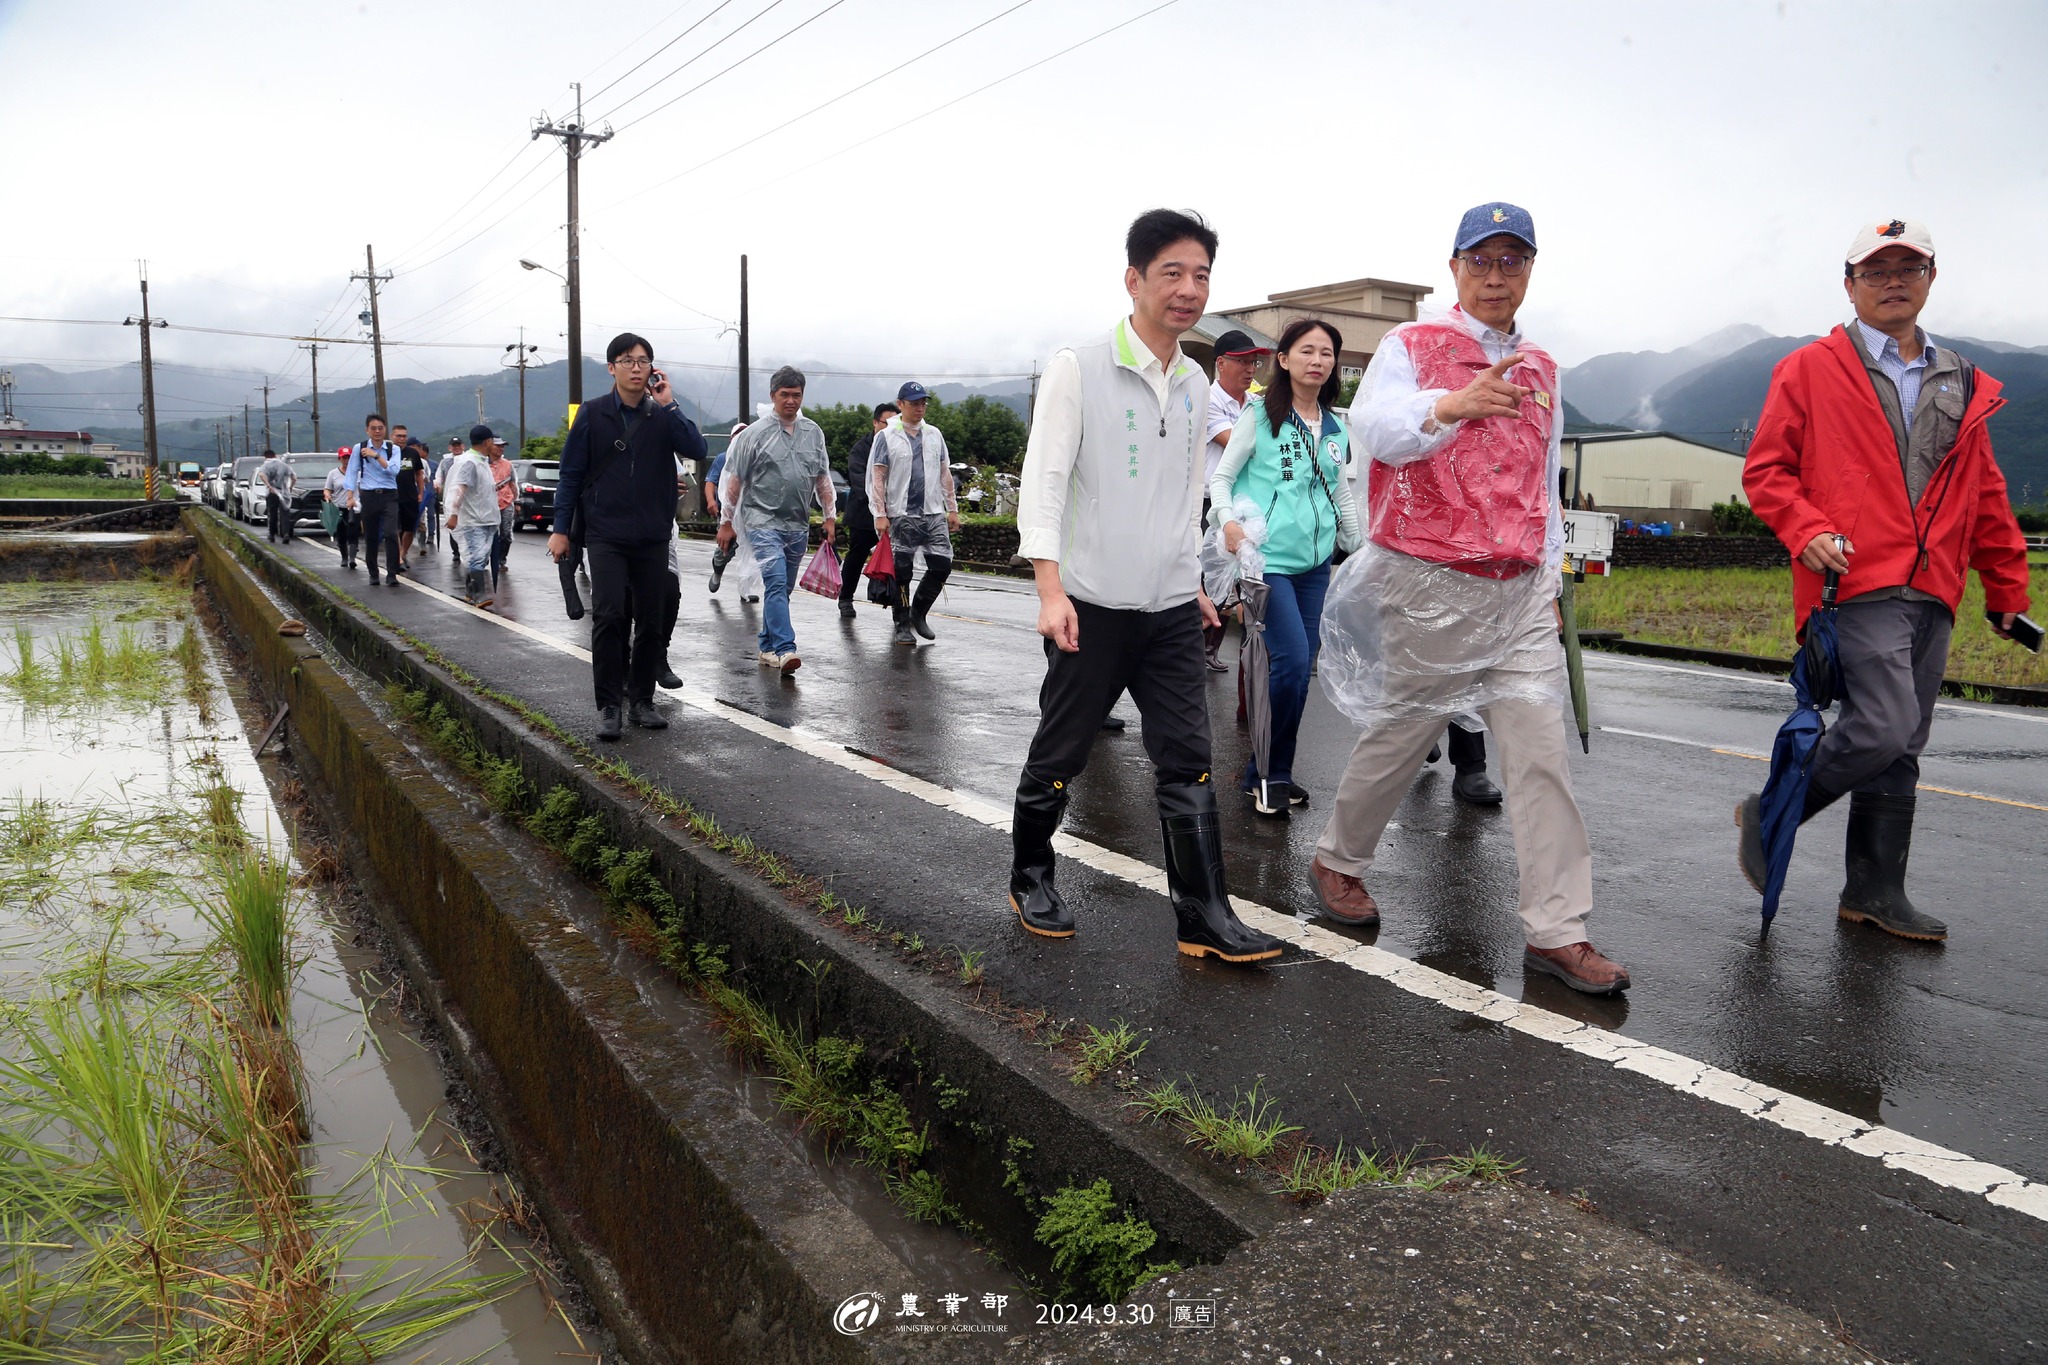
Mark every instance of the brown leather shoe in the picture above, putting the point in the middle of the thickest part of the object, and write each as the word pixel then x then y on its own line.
pixel 1580 966
pixel 1344 898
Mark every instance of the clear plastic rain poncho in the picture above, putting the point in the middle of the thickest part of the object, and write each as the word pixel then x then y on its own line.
pixel 1222 570
pixel 745 571
pixel 1404 639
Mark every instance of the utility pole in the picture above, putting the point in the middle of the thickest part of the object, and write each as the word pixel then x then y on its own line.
pixel 247 449
pixel 373 279
pixel 287 434
pixel 145 322
pixel 522 351
pixel 312 348
pixel 268 443
pixel 479 403
pixel 573 136
pixel 746 392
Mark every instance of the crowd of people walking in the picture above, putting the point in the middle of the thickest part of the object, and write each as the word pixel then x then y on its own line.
pixel 1407 546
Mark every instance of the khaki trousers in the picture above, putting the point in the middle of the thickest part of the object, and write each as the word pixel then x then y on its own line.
pixel 1552 851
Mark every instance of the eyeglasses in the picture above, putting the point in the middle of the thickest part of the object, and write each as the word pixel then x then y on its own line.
pixel 1511 265
pixel 1905 274
pixel 634 362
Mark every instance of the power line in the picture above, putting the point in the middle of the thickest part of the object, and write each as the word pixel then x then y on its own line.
pixel 878 77
pixel 790 33
pixel 979 89
pixel 495 223
pixel 481 211
pixel 659 50
pixel 700 55
pixel 434 233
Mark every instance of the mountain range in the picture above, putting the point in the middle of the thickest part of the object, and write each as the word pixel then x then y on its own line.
pixel 104 402
pixel 1713 390
pixel 1709 391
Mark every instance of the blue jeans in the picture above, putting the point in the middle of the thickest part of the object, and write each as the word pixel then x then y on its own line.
pixel 1294 619
pixel 780 553
pixel 476 546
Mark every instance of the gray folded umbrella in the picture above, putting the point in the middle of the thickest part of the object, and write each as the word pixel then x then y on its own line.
pixel 1254 670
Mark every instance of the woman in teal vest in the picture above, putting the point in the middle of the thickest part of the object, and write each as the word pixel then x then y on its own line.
pixel 1288 454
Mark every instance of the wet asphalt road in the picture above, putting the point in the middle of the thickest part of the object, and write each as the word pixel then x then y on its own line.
pixel 1942 1042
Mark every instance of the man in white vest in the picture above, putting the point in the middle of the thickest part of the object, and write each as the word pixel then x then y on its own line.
pixel 912 492
pixel 1107 515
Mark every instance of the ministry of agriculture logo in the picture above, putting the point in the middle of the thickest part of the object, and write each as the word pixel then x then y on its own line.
pixel 857 1313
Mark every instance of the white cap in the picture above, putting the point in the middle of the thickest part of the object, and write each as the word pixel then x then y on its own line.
pixel 1904 232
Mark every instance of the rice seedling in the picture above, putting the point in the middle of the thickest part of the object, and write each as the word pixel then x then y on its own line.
pixel 24 675
pixel 251 918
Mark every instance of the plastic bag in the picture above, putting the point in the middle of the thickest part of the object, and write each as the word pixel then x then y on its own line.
pixel 1222 570
pixel 1404 639
pixel 745 570
pixel 821 575
pixel 882 563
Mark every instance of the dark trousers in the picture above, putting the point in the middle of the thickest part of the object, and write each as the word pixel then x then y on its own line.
pixel 1468 749
pixel 348 535
pixel 281 517
pixel 1893 655
pixel 1154 655
pixel 1294 615
pixel 860 543
pixel 629 587
pixel 380 526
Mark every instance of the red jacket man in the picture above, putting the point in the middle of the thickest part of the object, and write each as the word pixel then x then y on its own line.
pixel 1872 459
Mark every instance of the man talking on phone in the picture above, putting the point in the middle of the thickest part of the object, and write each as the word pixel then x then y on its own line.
pixel 617 489
pixel 1872 461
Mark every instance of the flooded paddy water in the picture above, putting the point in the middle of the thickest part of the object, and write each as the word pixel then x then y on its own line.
pixel 188 1171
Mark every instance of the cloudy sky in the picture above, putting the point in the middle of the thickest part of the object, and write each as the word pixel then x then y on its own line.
pixel 1688 166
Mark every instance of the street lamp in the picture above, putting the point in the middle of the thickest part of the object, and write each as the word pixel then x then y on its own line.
pixel 525 264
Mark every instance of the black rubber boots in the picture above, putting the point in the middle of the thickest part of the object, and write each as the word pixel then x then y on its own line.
pixel 1194 879
pixel 1032 893
pixel 1880 841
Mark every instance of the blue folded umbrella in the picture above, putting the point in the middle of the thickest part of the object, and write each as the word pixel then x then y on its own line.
pixel 1816 683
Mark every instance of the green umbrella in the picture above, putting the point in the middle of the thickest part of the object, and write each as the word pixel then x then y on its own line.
pixel 1574 660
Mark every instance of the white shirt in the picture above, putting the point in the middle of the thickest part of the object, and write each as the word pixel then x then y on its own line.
pixel 1223 414
pixel 1395 422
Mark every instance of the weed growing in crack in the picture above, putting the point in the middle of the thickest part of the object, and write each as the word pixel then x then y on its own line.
pixel 1104 1050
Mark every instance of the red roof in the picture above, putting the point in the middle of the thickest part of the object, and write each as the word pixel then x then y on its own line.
pixel 10 434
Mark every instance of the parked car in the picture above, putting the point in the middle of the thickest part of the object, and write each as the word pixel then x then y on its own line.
pixel 535 481
pixel 210 485
pixel 311 472
pixel 245 501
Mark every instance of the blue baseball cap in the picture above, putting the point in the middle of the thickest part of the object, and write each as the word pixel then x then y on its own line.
pixel 912 392
pixel 1489 220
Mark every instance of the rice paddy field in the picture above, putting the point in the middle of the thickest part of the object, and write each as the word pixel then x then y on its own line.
pixel 1749 611
pixel 219 1140
pixel 77 486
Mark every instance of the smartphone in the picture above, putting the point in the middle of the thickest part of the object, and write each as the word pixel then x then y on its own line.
pixel 2024 630
pixel 655 379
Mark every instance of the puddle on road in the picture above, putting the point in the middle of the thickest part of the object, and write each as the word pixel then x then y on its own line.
pixel 102 810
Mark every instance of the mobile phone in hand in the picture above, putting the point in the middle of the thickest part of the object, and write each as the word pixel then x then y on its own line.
pixel 2024 630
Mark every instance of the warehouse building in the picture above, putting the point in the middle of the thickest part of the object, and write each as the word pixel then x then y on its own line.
pixel 1651 476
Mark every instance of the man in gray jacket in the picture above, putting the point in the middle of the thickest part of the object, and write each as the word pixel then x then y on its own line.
pixel 911 485
pixel 1107 515
pixel 279 484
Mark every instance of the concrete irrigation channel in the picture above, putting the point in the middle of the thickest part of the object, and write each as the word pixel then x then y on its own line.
pixel 587 1017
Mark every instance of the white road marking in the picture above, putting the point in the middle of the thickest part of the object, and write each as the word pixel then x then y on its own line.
pixel 1736 675
pixel 1939 1165
pixel 1765 758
